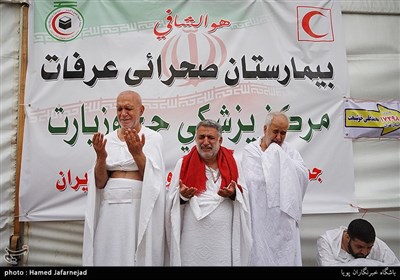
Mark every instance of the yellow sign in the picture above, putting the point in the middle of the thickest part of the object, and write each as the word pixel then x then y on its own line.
pixel 385 118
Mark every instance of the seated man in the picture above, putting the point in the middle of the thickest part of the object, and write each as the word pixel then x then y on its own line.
pixel 355 246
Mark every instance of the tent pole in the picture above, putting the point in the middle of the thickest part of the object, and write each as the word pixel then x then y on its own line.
pixel 15 238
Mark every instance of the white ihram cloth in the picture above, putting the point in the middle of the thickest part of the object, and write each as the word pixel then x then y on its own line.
pixel 208 230
pixel 277 180
pixel 124 222
pixel 330 253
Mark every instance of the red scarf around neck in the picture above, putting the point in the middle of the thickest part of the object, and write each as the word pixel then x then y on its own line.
pixel 193 170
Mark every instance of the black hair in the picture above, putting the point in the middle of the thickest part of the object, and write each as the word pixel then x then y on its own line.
pixel 362 230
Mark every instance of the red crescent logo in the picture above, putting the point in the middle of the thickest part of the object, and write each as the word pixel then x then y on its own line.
pixel 305 23
pixel 54 27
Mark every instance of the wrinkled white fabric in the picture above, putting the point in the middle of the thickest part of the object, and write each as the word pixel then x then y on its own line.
pixel 131 232
pixel 208 230
pixel 330 253
pixel 120 195
pixel 277 180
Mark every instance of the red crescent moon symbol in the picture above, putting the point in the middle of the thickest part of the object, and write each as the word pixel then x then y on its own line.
pixel 53 24
pixel 305 23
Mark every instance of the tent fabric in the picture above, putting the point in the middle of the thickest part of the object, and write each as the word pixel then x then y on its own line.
pixel 373 53
pixel 371 6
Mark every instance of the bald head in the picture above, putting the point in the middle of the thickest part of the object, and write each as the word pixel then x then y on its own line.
pixel 129 109
pixel 133 95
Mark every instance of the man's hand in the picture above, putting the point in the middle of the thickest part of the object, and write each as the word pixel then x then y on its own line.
pixel 186 192
pixel 228 191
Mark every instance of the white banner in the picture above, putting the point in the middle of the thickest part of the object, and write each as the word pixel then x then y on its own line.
pixel 229 61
